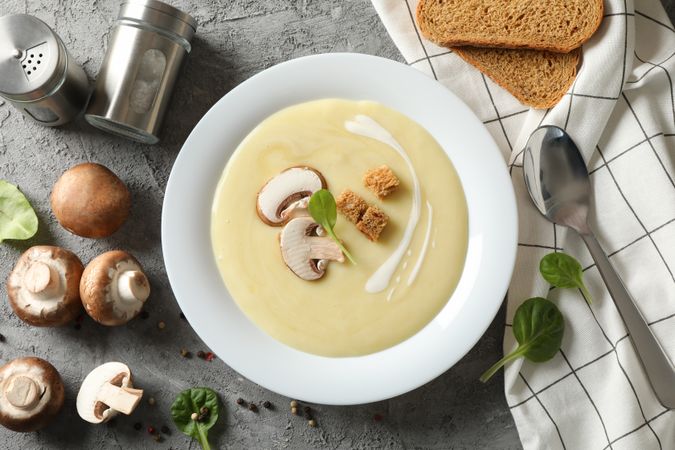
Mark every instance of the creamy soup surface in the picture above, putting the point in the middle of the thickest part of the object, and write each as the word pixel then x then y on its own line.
pixel 336 315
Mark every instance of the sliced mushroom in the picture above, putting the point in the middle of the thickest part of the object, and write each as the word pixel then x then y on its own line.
pixel 305 252
pixel 286 195
pixel 89 200
pixel 31 394
pixel 107 390
pixel 43 288
pixel 114 288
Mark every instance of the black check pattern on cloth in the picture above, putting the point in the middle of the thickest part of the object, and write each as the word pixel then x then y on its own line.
pixel 621 113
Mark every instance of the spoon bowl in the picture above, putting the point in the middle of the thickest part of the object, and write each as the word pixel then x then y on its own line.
pixel 557 178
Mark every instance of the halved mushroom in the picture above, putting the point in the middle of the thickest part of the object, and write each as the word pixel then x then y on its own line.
pixel 286 195
pixel 31 394
pixel 43 288
pixel 107 390
pixel 305 250
pixel 114 288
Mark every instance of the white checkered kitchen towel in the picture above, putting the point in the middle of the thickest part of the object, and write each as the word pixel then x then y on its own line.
pixel 621 113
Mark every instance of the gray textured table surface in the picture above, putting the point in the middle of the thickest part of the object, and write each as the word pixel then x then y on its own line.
pixel 235 40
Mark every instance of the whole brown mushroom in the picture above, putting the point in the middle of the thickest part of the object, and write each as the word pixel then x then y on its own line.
pixel 90 201
pixel 114 288
pixel 44 287
pixel 31 394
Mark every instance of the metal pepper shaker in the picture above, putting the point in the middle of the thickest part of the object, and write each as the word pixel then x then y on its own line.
pixel 37 75
pixel 147 47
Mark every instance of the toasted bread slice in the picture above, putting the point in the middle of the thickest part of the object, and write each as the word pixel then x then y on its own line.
pixel 554 25
pixel 537 78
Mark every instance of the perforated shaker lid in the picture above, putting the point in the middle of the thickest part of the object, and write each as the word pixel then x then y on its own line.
pixel 31 60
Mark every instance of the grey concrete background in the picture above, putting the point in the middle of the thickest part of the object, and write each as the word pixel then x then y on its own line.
pixel 235 40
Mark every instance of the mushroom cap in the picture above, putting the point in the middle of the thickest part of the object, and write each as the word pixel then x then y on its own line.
pixel 88 405
pixel 105 282
pixel 302 248
pixel 285 190
pixel 31 394
pixel 58 303
pixel 89 200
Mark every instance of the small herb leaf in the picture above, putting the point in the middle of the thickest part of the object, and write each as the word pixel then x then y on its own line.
pixel 17 217
pixel 323 210
pixel 538 327
pixel 189 402
pixel 563 271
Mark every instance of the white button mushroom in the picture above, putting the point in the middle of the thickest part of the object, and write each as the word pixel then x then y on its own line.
pixel 43 288
pixel 286 195
pixel 114 288
pixel 31 394
pixel 306 253
pixel 89 200
pixel 107 390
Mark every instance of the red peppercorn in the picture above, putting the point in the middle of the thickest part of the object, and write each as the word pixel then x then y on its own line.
pixel 378 417
pixel 151 429
pixel 210 356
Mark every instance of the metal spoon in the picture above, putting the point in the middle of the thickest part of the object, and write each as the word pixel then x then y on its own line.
pixel 558 182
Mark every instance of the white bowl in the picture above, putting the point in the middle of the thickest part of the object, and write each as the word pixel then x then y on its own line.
pixel 217 319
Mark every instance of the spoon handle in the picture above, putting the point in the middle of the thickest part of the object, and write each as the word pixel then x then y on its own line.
pixel 660 370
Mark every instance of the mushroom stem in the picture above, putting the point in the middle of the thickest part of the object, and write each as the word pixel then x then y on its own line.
pixel 324 248
pixel 122 399
pixel 22 392
pixel 133 286
pixel 40 278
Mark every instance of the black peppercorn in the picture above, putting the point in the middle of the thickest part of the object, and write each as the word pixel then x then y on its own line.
pixel 165 429
pixel 144 314
pixel 267 404
pixel 253 407
pixel 138 426
pixel 201 354
pixel 307 410
pixel 240 401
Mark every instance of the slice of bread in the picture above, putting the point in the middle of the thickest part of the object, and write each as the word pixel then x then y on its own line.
pixel 554 25
pixel 537 78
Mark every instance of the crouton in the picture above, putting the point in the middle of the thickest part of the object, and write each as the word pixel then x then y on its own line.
pixel 351 205
pixel 381 180
pixel 372 223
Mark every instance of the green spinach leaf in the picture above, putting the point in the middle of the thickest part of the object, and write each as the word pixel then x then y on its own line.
pixel 538 327
pixel 563 271
pixel 17 217
pixel 323 210
pixel 190 416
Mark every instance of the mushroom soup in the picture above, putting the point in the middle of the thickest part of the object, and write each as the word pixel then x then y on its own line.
pixel 408 240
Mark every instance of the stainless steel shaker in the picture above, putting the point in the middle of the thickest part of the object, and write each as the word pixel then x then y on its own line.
pixel 147 47
pixel 37 75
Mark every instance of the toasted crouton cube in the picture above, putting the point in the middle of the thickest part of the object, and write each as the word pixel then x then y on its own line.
pixel 372 223
pixel 381 180
pixel 351 205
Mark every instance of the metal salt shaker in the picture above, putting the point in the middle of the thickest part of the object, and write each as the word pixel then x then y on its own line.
pixel 147 47
pixel 37 75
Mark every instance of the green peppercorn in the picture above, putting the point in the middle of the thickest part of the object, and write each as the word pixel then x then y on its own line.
pixel 312 423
